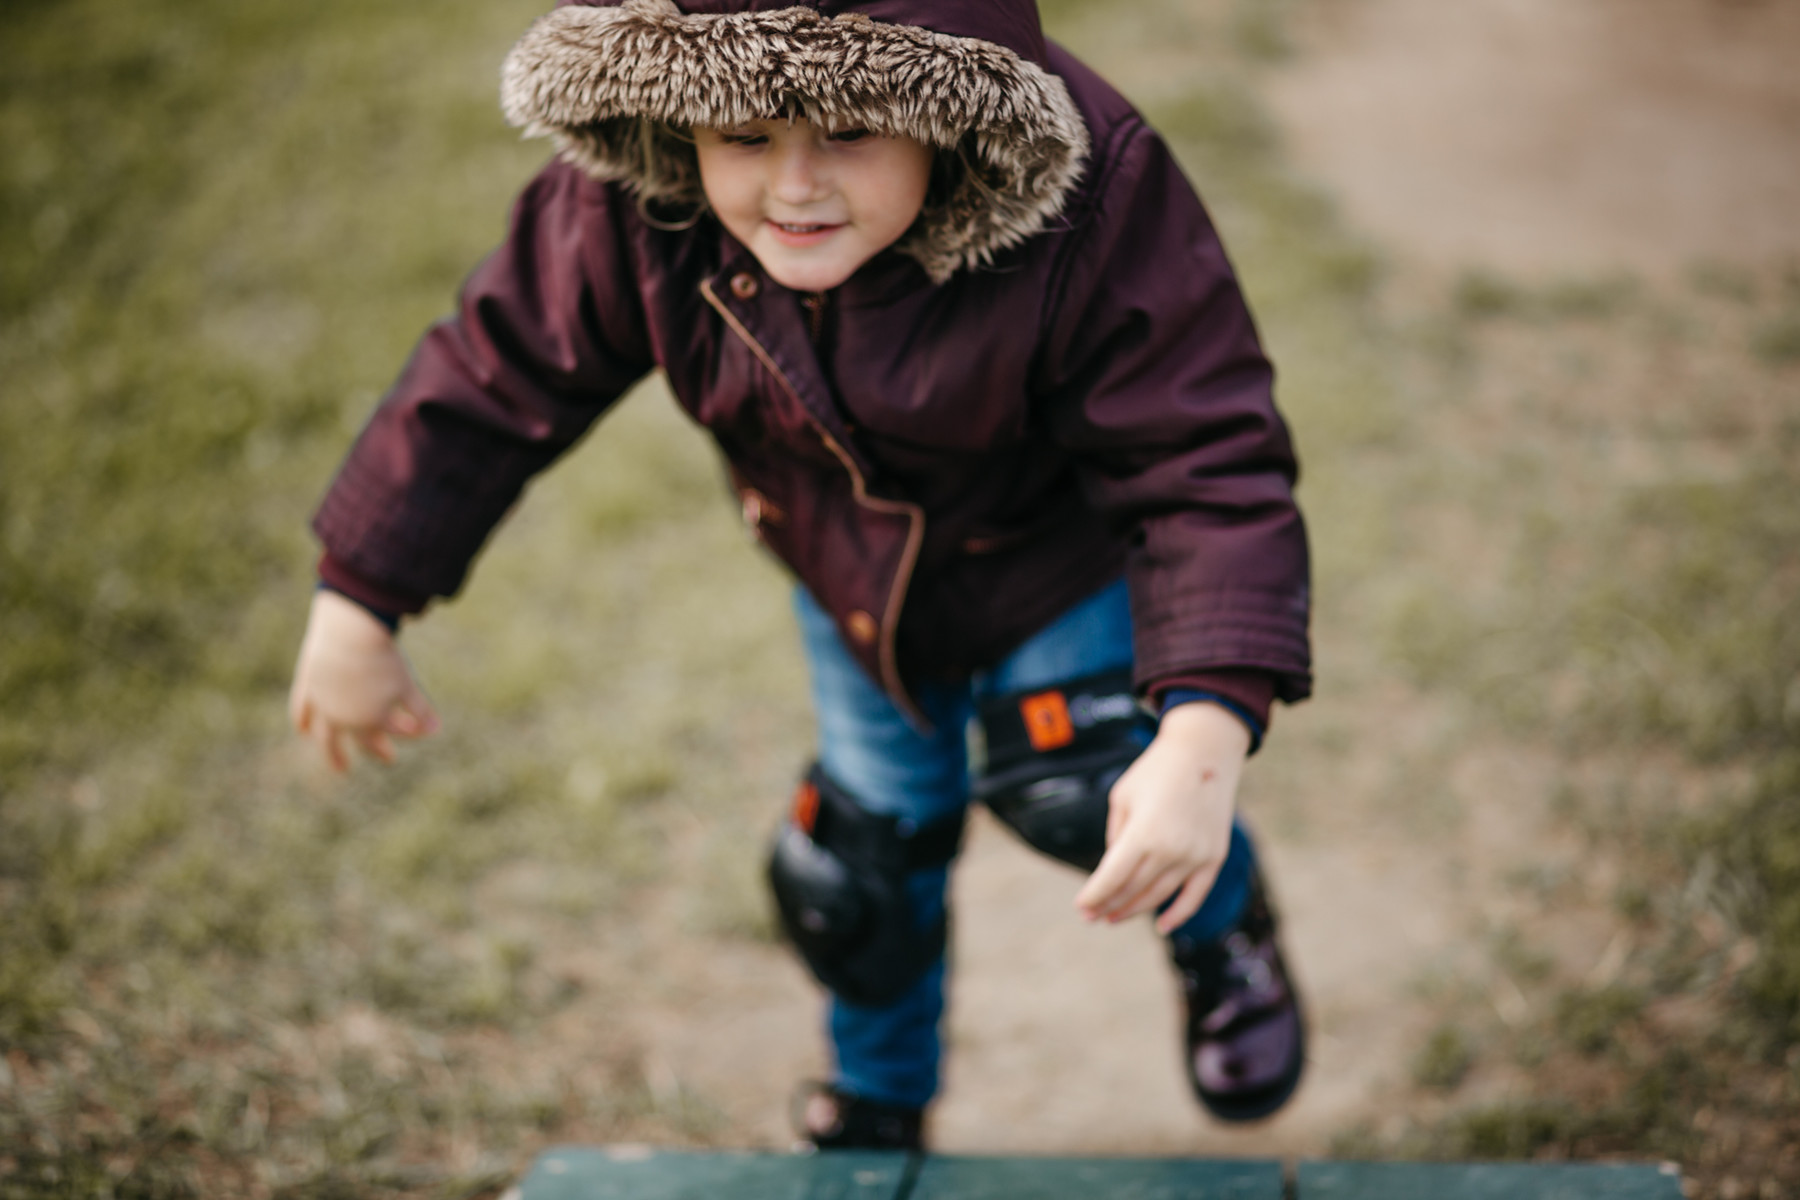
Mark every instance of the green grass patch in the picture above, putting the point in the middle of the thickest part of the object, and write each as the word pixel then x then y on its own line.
pixel 221 230
pixel 1759 844
pixel 1777 341
pixel 1483 295
pixel 1444 1060
pixel 1619 465
pixel 201 279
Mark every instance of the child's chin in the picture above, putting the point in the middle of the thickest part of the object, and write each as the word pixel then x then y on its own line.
pixel 818 269
pixel 809 277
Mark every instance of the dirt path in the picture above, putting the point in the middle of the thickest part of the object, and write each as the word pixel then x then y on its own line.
pixel 1063 1036
pixel 1529 136
pixel 1552 137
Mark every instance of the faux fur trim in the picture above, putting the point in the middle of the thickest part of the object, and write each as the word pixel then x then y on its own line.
pixel 604 82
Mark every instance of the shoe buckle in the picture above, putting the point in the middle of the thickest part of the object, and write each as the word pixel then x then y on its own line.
pixel 1257 974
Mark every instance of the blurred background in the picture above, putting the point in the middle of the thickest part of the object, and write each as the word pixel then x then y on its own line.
pixel 1531 273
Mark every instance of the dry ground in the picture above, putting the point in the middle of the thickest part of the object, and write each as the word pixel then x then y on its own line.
pixel 1553 138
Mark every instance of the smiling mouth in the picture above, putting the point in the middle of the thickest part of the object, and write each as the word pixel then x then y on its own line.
pixel 795 227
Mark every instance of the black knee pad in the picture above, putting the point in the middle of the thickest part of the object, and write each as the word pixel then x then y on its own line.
pixel 1053 755
pixel 839 877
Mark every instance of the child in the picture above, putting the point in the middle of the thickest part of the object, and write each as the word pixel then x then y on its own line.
pixel 985 383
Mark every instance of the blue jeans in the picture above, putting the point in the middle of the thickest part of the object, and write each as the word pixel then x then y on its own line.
pixel 866 744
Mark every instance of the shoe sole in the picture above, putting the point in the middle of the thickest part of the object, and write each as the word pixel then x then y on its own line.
pixel 1262 1104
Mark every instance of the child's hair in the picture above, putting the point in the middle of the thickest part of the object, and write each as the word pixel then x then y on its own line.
pixel 667 180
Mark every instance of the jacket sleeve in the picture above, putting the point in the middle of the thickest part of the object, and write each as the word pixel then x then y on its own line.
pixel 1158 385
pixel 548 332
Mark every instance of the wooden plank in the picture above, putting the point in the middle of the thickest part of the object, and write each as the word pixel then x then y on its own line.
pixel 638 1173
pixel 1485 1181
pixel 954 1178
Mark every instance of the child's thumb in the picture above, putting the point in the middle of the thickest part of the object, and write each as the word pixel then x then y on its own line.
pixel 413 716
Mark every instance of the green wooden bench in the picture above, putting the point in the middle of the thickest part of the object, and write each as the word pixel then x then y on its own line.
pixel 1485 1181
pixel 637 1173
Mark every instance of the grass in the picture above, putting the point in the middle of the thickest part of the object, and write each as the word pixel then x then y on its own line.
pixel 219 974
pixel 1630 616
pixel 1758 845
pixel 1444 1060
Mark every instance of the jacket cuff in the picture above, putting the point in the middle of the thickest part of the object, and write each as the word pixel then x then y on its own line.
pixel 1249 695
pixel 389 621
pixel 1253 691
pixel 387 606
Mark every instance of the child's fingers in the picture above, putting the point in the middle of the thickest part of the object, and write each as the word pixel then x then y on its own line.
pixel 1118 809
pixel 1187 902
pixel 412 717
pixel 319 734
pixel 403 722
pixel 1115 906
pixel 1112 879
pixel 1160 887
pixel 377 745
pixel 327 738
pixel 1114 865
pixel 337 753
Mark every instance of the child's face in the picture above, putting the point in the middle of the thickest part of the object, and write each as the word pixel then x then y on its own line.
pixel 812 206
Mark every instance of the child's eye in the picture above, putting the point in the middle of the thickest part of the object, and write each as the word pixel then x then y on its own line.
pixel 851 135
pixel 743 139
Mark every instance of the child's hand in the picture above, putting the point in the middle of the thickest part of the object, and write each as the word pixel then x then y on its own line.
pixel 1168 826
pixel 351 682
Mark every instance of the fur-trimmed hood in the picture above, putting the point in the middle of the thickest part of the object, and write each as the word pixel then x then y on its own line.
pixel 609 81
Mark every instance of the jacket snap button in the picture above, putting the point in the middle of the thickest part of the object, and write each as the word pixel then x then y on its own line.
pixel 743 285
pixel 862 627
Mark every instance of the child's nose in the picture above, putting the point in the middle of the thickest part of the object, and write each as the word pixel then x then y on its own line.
pixel 798 176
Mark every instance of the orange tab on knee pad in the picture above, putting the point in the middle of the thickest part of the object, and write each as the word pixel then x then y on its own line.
pixel 806 805
pixel 1047 721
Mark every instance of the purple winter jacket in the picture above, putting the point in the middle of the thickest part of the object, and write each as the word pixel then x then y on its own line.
pixel 946 467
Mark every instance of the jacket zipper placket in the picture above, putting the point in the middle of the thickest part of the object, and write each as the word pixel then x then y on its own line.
pixel 915 534
pixel 814 304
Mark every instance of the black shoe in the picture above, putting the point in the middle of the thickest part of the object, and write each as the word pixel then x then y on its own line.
pixel 828 1119
pixel 1246 1037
